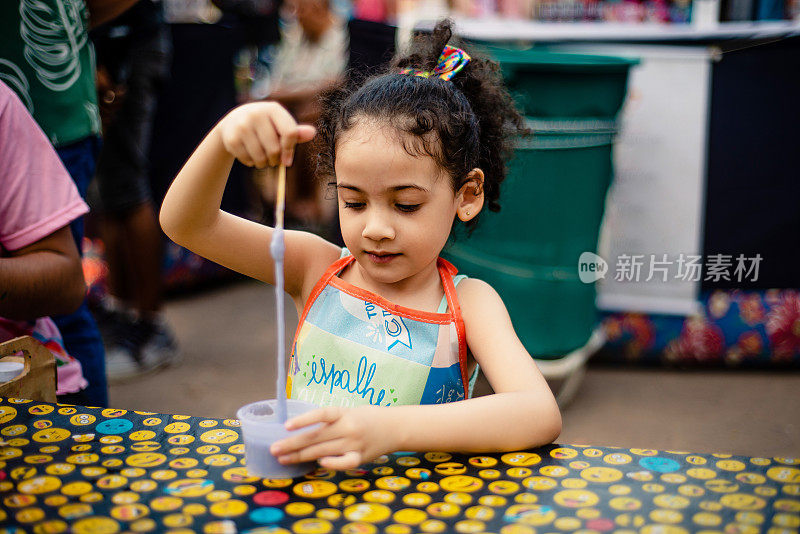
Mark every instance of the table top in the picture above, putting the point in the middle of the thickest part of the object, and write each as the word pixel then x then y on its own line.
pixel 78 469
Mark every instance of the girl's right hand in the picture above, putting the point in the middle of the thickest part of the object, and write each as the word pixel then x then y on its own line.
pixel 262 133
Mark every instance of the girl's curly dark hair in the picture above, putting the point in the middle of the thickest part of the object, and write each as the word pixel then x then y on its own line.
pixel 463 123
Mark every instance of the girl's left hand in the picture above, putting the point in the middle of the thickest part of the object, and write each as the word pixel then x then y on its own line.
pixel 346 438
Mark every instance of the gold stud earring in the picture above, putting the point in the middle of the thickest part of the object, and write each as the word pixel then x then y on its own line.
pixel 466 214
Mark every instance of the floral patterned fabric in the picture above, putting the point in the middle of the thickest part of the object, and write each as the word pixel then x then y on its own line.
pixel 734 328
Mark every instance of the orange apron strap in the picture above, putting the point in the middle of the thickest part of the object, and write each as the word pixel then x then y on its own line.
pixel 447 270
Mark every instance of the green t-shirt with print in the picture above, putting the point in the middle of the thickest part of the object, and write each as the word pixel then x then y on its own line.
pixel 47 59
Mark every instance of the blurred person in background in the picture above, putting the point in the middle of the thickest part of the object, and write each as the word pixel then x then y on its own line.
pixel 40 268
pixel 133 58
pixel 47 59
pixel 311 57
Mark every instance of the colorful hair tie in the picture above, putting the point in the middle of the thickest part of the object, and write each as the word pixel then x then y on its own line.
pixel 450 63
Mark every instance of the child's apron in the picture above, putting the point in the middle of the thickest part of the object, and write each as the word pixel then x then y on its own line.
pixel 353 347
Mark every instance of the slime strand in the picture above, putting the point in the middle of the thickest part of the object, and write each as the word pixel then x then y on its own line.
pixel 276 248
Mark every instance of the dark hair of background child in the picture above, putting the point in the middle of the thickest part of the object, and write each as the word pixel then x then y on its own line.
pixel 463 123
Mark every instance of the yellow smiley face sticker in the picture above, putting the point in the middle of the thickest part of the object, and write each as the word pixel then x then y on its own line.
pixel 219 435
pixel 408 461
pixel 298 509
pixel 90 525
pixel 459 498
pixel 7 413
pixel 731 465
pixel 144 486
pixel 111 482
pixel 177 427
pixel 146 459
pixel 530 514
pixel 142 435
pixel 461 483
pixel 418 473
pixel 483 461
pixel 39 485
pixel 752 518
pixel 503 487
pixel 129 512
pixel 417 499
pixel 145 446
pixel 539 483
pixel 314 489
pixel 183 463
pixel 563 453
pixel 523 459
pixel 239 474
pixel 554 471
pixel 443 509
pixel 489 474
pixel 437 457
pixel 13 430
pixel 742 501
pixel 625 504
pixel 428 487
pixel 23 473
pixel 409 516
pixel 576 498
pixel 152 421
pixel 393 483
pixel 617 458
pixel 111 412
pixel 519 472
pixel 707 519
pixel 666 516
pixel 74 489
pixel 40 409
pixel 354 485
pixel 675 502
pixel 82 419
pixel 383 470
pixel 604 475
pixel 381 496
pixel 784 475
pixel 450 468
pixel 189 487
pixel 367 512
pixel 480 512
pixel 166 503
pixel 51 435
pixel 341 500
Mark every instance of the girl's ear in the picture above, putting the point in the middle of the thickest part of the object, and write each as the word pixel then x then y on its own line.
pixel 470 196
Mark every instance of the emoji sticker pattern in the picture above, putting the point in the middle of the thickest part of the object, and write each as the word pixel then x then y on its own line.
pixel 84 470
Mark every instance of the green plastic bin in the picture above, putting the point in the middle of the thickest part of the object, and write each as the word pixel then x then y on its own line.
pixel 547 84
pixel 552 200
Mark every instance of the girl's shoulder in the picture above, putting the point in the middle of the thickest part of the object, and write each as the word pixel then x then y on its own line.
pixel 478 300
pixel 475 295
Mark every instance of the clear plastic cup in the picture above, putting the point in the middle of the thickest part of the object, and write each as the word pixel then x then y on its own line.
pixel 261 428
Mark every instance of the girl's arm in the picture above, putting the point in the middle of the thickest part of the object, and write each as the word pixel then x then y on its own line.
pixel 257 134
pixel 521 414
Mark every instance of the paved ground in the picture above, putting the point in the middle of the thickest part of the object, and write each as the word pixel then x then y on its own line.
pixel 227 338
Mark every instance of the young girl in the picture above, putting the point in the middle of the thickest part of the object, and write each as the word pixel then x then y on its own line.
pixel 388 336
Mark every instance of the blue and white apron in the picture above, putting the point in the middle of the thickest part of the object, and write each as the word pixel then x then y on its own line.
pixel 353 347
